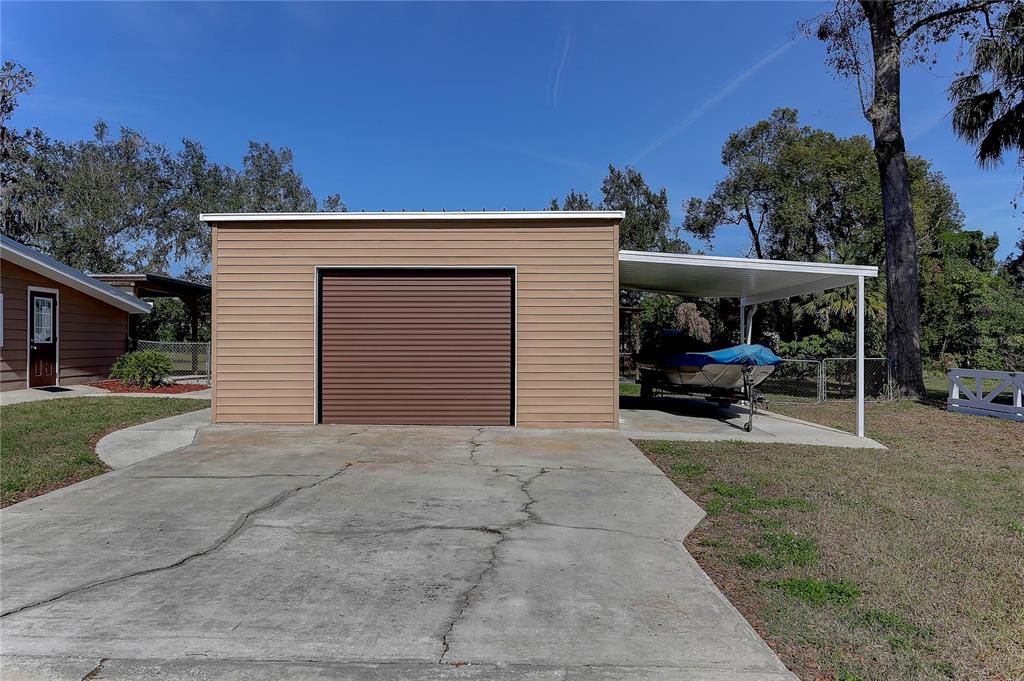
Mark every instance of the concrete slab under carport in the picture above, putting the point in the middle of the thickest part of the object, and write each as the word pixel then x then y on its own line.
pixel 674 418
pixel 371 553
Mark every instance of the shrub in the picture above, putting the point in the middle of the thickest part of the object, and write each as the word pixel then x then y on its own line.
pixel 145 368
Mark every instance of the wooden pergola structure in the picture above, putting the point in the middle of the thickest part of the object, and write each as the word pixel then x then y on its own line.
pixel 192 294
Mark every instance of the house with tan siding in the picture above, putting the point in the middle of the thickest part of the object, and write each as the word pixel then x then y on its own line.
pixel 59 326
pixel 506 318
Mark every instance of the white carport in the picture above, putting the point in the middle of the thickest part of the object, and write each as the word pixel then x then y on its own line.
pixel 750 281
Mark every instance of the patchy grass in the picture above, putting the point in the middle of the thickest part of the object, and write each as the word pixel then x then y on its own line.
pixel 49 444
pixel 689 469
pixel 751 560
pixel 745 498
pixel 906 563
pixel 786 549
pixel 818 591
pixel 629 389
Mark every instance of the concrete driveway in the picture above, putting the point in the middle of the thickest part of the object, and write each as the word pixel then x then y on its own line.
pixel 370 553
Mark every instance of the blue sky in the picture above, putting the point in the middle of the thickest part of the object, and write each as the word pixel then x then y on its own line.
pixel 431 106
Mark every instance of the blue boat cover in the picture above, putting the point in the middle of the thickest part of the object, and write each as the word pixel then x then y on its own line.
pixel 744 355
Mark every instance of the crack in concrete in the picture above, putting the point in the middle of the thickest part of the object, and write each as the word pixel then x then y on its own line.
pixel 95 671
pixel 492 563
pixel 524 487
pixel 223 477
pixel 475 445
pixel 346 534
pixel 240 524
pixel 572 469
pixel 587 528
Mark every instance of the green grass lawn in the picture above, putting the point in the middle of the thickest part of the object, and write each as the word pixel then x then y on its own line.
pixel 49 444
pixel 629 389
pixel 865 564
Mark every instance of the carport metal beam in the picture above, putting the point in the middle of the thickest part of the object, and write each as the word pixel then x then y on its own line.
pixel 750 281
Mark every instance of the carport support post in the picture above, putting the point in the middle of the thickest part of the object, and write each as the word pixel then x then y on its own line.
pixel 860 356
pixel 743 322
pixel 746 322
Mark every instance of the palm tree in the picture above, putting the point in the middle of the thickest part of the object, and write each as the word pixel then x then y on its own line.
pixel 988 101
pixel 840 304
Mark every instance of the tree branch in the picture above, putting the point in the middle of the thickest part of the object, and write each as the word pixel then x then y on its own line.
pixel 755 237
pixel 975 6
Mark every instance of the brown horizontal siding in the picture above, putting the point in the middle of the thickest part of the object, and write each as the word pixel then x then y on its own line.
pixel 565 323
pixel 91 333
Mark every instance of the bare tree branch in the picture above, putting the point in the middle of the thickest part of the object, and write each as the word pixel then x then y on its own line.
pixel 970 7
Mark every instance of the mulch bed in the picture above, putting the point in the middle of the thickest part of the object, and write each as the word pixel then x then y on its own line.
pixel 171 389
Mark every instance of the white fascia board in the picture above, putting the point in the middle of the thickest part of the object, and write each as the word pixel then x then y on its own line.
pixel 749 263
pixel 33 260
pixel 421 216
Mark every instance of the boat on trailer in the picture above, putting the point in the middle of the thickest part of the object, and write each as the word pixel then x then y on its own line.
pixel 725 376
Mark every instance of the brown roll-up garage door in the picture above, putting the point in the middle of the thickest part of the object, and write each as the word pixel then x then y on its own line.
pixel 416 346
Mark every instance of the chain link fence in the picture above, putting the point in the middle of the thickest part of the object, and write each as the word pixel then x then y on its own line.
pixel 839 378
pixel 187 358
pixel 802 381
pixel 830 379
pixel 793 381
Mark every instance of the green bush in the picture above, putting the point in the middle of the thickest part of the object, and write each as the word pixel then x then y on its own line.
pixel 145 368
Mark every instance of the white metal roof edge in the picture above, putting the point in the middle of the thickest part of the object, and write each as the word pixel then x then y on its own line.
pixel 31 259
pixel 822 268
pixel 410 215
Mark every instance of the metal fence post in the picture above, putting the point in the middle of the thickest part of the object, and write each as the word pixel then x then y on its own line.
pixel 824 379
pixel 821 380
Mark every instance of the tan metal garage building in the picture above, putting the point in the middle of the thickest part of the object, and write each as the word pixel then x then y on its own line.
pixel 486 318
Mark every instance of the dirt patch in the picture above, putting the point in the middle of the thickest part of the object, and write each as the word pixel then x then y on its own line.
pixel 169 389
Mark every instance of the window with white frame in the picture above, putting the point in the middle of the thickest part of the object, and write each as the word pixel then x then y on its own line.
pixel 42 320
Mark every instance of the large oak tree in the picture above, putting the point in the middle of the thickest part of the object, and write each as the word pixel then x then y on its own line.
pixel 870 41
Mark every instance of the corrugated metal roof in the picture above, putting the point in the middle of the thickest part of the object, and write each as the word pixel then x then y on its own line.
pixel 750 280
pixel 31 259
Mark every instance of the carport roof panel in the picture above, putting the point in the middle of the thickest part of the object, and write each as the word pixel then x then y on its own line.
pixel 751 280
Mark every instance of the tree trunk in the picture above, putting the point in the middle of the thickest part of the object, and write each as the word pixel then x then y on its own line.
pixel 755 234
pixel 903 329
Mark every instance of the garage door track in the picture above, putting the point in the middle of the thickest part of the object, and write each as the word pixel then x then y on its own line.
pixel 370 553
